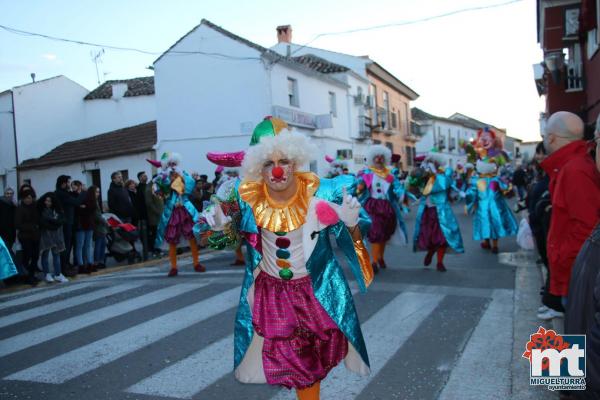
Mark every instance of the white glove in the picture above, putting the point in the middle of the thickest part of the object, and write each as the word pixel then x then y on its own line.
pixel 349 210
pixel 462 194
pixel 215 217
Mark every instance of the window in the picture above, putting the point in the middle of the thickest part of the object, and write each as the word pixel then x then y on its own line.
pixel 390 146
pixel 332 104
pixel 410 156
pixel 394 120
pixel 293 92
pixel 344 154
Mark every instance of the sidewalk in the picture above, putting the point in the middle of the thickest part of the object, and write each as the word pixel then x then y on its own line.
pixel 111 268
pixel 528 280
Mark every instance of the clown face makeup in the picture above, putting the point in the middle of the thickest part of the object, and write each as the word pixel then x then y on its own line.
pixel 379 161
pixel 278 173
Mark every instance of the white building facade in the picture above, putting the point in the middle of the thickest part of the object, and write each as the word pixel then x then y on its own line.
pixel 212 103
pixel 443 135
pixel 40 116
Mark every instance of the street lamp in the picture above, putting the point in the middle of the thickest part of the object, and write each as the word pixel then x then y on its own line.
pixel 555 62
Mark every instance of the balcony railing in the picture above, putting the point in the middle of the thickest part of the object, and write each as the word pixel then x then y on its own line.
pixel 382 118
pixel 364 126
pixel 574 76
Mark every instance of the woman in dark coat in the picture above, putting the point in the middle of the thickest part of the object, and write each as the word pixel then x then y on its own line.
pixel 52 240
pixel 27 222
pixel 85 232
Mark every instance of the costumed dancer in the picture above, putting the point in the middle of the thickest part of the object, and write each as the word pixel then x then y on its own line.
pixel 296 318
pixel 382 196
pixel 436 227
pixel 492 217
pixel 179 214
pixel 7 266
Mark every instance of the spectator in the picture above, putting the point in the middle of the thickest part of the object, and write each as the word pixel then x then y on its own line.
pixel 536 215
pixel 142 212
pixel 51 236
pixel 119 202
pixel 68 202
pixel 154 206
pixel 132 192
pixel 27 223
pixel 196 197
pixel 8 233
pixel 218 174
pixel 203 178
pixel 100 231
pixel 85 232
pixel 575 193
pixel 583 306
pixel 520 182
pixel 24 188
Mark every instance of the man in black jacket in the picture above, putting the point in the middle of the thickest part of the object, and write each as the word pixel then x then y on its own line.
pixel 142 211
pixel 119 202
pixel 7 216
pixel 68 203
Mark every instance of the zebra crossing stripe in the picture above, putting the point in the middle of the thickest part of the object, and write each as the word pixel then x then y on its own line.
pixel 43 294
pixel 496 324
pixel 215 361
pixel 385 332
pixel 94 355
pixel 52 331
pixel 192 374
pixel 64 304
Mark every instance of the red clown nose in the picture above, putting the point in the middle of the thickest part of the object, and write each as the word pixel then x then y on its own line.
pixel 277 172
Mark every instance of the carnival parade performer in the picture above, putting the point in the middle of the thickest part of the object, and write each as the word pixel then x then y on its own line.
pixel 492 217
pixel 7 266
pixel 179 214
pixel 382 196
pixel 296 318
pixel 436 227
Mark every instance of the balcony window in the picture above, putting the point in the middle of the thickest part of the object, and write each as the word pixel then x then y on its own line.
pixel 574 68
pixel 332 104
pixel 293 92
pixel 394 120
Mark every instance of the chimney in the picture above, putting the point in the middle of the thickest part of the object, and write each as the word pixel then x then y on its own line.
pixel 118 90
pixel 284 34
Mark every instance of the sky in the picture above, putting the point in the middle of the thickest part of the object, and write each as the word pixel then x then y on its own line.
pixel 478 63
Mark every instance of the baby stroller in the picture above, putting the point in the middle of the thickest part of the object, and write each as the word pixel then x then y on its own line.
pixel 120 239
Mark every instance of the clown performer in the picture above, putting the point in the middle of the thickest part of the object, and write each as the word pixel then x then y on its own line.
pixel 436 227
pixel 492 217
pixel 296 318
pixel 382 196
pixel 179 214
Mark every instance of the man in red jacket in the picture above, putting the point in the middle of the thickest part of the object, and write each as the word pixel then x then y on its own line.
pixel 575 191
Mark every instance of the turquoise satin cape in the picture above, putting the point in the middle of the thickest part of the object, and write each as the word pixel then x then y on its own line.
pixel 170 203
pixel 328 280
pixel 492 218
pixel 438 197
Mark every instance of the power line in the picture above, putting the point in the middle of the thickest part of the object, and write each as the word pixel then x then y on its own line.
pixel 409 22
pixel 106 46
pixel 227 56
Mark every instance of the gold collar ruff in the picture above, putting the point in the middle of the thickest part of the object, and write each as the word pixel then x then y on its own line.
pixel 277 217
pixel 382 173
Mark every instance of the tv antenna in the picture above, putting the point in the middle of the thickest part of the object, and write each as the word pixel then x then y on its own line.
pixel 97 59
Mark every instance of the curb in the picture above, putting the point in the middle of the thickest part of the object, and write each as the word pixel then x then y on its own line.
pixel 105 271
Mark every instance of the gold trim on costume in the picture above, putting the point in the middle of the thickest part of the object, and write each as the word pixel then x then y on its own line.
pixel 280 217
pixel 362 253
pixel 382 173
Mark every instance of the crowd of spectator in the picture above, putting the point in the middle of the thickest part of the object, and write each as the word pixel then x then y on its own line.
pixel 69 228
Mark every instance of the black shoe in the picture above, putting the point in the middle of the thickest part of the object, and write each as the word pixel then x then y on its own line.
pixel 375 268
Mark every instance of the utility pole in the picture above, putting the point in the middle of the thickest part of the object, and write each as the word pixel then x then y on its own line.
pixel 97 59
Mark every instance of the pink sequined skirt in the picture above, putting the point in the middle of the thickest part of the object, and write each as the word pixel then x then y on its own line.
pixel 180 224
pixel 383 220
pixel 431 236
pixel 301 341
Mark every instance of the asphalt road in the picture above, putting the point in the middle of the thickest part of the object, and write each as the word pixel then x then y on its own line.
pixel 138 335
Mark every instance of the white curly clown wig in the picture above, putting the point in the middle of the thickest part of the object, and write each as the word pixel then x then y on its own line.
pixel 378 150
pixel 294 146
